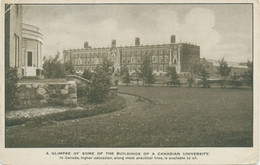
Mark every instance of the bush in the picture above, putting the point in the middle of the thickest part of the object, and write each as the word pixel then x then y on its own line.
pixel 11 80
pixel 83 90
pixel 53 68
pixel 190 81
pixel 87 74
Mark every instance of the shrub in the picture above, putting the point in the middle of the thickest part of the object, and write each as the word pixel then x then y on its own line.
pixel 101 82
pixel 11 79
pixel 53 68
pixel 87 74
pixel 190 81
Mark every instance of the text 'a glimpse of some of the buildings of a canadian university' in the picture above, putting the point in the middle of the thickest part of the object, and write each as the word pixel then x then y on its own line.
pixel 180 55
pixel 23 43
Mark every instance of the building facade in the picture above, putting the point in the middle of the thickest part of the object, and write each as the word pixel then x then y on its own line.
pixel 23 43
pixel 13 36
pixel 180 55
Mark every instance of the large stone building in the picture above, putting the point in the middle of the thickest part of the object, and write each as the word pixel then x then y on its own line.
pixel 180 55
pixel 23 43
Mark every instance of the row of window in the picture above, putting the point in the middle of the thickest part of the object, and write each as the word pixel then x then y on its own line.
pixel 143 52
pixel 80 61
pixel 92 54
pixel 131 68
pixel 154 59
pixel 129 52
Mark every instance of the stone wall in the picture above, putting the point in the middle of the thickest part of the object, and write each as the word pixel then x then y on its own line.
pixel 46 94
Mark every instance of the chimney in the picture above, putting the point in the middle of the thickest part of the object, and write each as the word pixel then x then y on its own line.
pixel 86 45
pixel 137 41
pixel 172 39
pixel 113 42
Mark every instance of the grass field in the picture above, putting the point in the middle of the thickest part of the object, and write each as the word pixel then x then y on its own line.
pixel 178 117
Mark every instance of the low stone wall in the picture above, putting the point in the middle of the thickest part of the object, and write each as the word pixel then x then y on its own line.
pixel 45 94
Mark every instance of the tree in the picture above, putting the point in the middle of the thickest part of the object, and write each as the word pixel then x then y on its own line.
pixel 87 74
pixel 190 81
pixel 196 68
pixel 69 69
pixel 248 75
pixel 234 81
pixel 11 80
pixel 204 75
pixel 174 78
pixel 125 75
pixel 223 70
pixel 53 68
pixel 101 82
pixel 146 71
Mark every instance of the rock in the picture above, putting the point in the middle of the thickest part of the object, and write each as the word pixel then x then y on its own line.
pixel 74 101
pixel 64 91
pixel 73 95
pixel 41 91
pixel 66 87
pixel 43 101
pixel 41 85
pixel 35 85
pixel 28 86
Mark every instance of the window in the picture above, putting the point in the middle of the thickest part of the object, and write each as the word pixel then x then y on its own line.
pixel 29 59
pixel 166 59
pixel 123 60
pixel 160 68
pixel 128 60
pixel 138 67
pixel 16 51
pixel 161 58
pixel 138 60
pixel 133 60
pixel 154 68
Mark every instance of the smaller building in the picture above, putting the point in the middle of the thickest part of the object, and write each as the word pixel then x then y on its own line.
pixel 212 67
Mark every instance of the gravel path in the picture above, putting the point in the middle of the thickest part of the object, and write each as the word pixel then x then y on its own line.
pixel 34 112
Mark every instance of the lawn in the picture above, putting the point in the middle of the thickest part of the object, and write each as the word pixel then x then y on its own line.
pixel 177 117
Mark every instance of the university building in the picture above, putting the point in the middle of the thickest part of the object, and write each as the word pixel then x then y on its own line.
pixel 180 55
pixel 23 43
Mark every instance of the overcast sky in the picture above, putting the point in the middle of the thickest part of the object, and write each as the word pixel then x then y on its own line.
pixel 219 30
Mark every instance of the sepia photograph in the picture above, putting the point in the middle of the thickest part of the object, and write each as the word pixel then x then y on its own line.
pixel 128 75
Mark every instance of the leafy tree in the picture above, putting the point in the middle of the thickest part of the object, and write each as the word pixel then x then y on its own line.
pixel 69 69
pixel 190 81
pixel 101 82
pixel 11 80
pixel 87 74
pixel 125 75
pixel 234 81
pixel 248 76
pixel 196 68
pixel 137 74
pixel 223 70
pixel 204 75
pixel 53 68
pixel 174 78
pixel 146 71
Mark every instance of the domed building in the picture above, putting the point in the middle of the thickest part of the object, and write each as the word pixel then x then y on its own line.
pixel 32 40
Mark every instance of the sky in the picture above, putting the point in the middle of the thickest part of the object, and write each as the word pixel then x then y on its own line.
pixel 221 30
